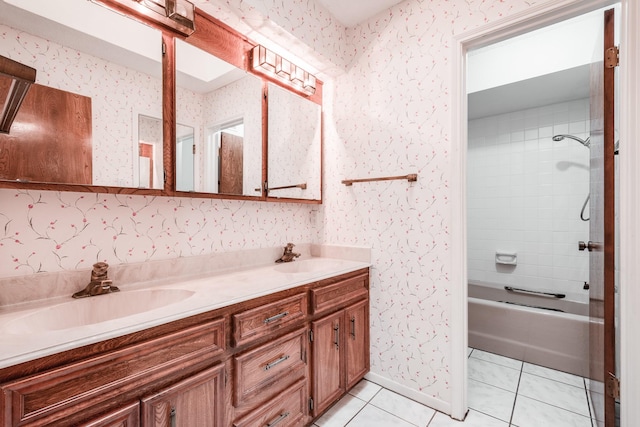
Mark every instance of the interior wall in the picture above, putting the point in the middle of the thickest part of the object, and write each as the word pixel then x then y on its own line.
pixel 389 114
pixel 525 193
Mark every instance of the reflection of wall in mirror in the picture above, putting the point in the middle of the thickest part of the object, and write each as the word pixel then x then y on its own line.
pixel 294 144
pixel 185 157
pixel 238 99
pixel 116 92
pixel 189 110
pixel 150 152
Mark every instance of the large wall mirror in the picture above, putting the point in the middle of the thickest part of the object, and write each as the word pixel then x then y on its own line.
pixel 97 98
pixel 222 105
pixel 295 146
pixel 100 114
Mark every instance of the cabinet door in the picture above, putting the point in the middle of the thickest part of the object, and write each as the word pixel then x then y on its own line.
pixel 328 361
pixel 128 416
pixel 357 341
pixel 197 401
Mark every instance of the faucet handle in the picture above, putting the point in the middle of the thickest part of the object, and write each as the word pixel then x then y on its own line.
pixel 106 284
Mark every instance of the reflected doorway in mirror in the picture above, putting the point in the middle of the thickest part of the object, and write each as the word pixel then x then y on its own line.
pixel 148 149
pixel 225 158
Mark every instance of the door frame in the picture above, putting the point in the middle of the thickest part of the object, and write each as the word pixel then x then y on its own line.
pixel 530 19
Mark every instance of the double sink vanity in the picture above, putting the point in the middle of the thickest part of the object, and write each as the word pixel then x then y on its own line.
pixel 264 346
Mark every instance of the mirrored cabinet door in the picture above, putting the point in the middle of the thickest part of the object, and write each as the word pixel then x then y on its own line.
pixel 295 145
pixel 223 105
pixel 80 122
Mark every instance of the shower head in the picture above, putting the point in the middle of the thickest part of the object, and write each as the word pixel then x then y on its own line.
pixel 584 142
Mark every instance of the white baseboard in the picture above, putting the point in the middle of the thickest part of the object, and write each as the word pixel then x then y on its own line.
pixel 430 401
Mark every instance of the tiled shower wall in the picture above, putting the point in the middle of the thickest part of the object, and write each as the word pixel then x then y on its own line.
pixel 525 195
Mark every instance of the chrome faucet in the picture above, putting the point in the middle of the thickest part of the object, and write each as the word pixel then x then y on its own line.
pixel 99 284
pixel 288 254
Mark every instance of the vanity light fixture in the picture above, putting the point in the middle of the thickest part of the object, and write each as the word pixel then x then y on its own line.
pixel 272 65
pixel 178 15
pixel 183 12
pixel 15 79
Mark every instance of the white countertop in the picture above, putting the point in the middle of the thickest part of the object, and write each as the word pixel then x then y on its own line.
pixel 22 339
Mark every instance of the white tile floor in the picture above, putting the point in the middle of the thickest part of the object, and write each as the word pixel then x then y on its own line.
pixel 502 392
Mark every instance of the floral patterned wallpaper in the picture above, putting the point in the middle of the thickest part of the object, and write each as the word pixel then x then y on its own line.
pixel 386 112
pixel 45 231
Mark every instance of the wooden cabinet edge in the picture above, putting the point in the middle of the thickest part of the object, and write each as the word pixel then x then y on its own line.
pixel 126 416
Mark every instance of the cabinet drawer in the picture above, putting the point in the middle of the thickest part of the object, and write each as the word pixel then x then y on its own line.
pixel 268 369
pixel 287 410
pixel 261 321
pixel 339 294
pixel 50 396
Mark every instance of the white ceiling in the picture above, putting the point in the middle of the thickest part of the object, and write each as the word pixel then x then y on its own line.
pixel 562 86
pixel 354 12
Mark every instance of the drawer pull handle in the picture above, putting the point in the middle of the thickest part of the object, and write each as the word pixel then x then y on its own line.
pixel 274 318
pixel 281 417
pixel 336 331
pixel 353 327
pixel 172 417
pixel 275 362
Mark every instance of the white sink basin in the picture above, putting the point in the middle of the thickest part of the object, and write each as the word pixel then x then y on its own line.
pixel 96 309
pixel 308 265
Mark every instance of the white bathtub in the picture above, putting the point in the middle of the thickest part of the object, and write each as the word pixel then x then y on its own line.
pixel 558 340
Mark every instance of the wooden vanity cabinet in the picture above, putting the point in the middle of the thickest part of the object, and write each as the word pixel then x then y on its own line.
pixel 281 359
pixel 340 340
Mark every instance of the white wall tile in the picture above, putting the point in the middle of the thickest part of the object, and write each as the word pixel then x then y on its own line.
pixel 547 184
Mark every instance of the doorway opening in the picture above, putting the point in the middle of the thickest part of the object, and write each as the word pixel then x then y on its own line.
pixel 529 167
